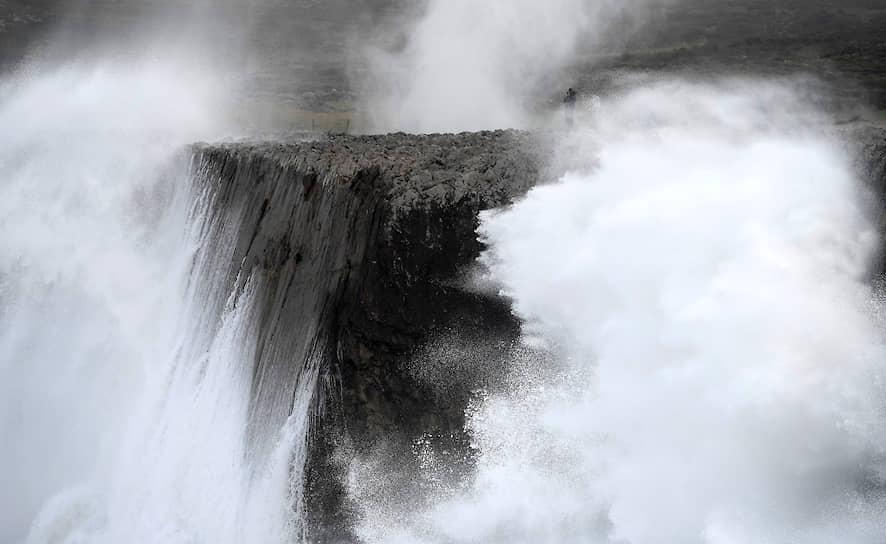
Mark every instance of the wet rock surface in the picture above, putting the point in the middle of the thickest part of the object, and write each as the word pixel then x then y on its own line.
pixel 362 245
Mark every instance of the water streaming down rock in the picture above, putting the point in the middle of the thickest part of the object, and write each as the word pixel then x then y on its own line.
pixel 192 304
pixel 130 334
pixel 375 231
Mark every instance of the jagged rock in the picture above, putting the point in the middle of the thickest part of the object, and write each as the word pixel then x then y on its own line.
pixel 358 243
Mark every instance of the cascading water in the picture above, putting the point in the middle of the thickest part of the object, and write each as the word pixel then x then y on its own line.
pixel 126 347
pixel 703 361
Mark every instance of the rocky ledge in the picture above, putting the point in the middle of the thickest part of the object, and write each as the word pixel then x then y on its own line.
pixel 359 245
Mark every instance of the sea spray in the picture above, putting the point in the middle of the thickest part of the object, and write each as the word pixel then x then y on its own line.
pixel 718 375
pixel 127 344
pixel 463 65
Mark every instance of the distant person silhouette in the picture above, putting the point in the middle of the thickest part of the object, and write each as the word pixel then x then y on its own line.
pixel 569 106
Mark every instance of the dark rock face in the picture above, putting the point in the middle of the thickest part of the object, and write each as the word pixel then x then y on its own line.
pixel 358 243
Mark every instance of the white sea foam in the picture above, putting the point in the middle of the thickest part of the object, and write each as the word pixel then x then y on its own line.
pixel 125 364
pixel 719 377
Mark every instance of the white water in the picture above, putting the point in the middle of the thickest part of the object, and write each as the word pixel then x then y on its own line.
pixel 711 371
pixel 705 363
pixel 125 360
pixel 467 65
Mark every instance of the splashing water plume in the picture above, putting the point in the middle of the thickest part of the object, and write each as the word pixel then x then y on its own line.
pixel 701 364
pixel 126 358
pixel 718 377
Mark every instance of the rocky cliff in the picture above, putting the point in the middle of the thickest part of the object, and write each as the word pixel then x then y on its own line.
pixel 359 245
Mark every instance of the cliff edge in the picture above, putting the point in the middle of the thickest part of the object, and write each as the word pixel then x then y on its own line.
pixel 359 245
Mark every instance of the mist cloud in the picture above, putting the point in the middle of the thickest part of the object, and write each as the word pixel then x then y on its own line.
pixel 469 65
pixel 703 285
